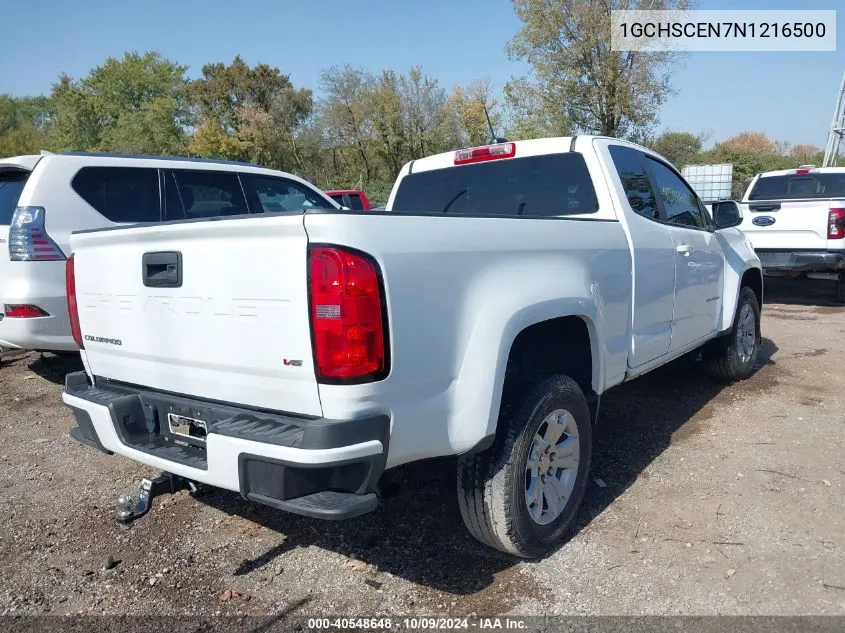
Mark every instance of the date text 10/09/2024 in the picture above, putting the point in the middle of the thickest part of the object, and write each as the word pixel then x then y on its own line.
pixel 415 623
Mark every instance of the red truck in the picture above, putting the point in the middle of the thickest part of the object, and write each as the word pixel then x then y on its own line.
pixel 350 198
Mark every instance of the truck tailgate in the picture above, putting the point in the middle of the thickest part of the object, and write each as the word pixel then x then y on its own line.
pixel 788 224
pixel 234 328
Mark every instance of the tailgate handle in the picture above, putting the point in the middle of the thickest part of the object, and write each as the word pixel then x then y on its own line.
pixel 162 269
pixel 764 208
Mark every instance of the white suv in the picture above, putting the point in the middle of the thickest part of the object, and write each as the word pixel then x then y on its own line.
pixel 43 199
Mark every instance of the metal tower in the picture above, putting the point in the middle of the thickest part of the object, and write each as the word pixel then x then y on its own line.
pixel 837 129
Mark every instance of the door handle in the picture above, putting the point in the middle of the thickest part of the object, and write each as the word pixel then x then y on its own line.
pixel 684 249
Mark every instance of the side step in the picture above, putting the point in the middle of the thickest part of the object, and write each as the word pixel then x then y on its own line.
pixel 326 504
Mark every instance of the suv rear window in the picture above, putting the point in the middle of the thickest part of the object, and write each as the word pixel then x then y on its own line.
pixel 11 185
pixel 796 186
pixel 121 194
pixel 547 185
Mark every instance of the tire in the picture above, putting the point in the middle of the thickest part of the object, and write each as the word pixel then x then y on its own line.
pixel 493 485
pixel 727 358
pixel 840 288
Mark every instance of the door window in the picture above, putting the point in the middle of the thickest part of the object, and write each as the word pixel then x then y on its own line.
pixel 680 204
pixel 630 167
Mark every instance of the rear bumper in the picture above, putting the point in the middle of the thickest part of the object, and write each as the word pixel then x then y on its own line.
pixel 315 467
pixel 40 284
pixel 801 261
pixel 49 333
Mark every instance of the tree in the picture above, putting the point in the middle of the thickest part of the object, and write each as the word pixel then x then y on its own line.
pixel 575 72
pixel 346 115
pixel 755 142
pixel 249 113
pixel 746 163
pixel 534 111
pixel 423 101
pixel 807 154
pixel 24 125
pixel 133 104
pixel 466 117
pixel 681 148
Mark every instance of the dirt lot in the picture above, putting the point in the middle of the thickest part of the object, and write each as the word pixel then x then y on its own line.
pixel 704 500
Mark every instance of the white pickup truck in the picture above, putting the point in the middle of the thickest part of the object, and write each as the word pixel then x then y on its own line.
pixel 795 219
pixel 293 357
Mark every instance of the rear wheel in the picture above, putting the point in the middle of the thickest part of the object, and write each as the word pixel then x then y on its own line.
pixel 522 495
pixel 733 357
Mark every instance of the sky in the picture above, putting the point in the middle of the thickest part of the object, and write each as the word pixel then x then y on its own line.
pixel 789 96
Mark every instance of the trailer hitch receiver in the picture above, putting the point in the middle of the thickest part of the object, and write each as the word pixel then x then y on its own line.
pixel 127 512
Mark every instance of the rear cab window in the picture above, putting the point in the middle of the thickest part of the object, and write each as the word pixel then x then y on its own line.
pixel 546 185
pixel 11 185
pixel 355 202
pixel 799 186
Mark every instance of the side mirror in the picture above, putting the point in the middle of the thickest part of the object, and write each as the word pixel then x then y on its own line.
pixel 726 214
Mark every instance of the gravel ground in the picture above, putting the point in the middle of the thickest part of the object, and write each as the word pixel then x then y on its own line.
pixel 704 499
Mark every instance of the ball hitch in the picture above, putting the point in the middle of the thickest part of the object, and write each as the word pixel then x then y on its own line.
pixel 127 512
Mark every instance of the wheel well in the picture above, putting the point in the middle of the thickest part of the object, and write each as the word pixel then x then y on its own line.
pixel 753 278
pixel 556 346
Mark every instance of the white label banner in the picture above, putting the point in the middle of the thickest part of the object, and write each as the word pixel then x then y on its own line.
pixel 729 30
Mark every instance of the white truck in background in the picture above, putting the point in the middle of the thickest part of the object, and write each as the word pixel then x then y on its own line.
pixel 293 357
pixel 795 219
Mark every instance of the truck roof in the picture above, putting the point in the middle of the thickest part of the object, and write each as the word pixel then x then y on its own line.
pixel 800 170
pixel 528 147
pixel 531 147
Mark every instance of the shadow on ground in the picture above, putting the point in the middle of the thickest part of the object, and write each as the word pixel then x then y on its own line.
pixel 55 367
pixel 800 292
pixel 417 534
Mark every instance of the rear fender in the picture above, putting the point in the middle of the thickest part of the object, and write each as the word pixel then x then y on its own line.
pixel 477 403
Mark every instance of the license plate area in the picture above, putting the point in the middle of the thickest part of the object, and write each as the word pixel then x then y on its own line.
pixel 185 430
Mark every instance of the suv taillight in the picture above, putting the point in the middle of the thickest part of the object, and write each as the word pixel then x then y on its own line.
pixel 28 241
pixel 347 316
pixel 836 224
pixel 72 308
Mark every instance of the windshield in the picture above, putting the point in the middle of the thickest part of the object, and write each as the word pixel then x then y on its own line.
pixel 547 185
pixel 796 186
pixel 11 185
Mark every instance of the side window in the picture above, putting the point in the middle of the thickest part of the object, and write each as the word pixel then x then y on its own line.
pixel 120 194
pixel 680 204
pixel 279 195
pixel 630 166
pixel 355 202
pixel 193 194
pixel 338 197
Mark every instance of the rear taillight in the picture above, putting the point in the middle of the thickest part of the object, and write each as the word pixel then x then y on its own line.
pixel 487 152
pixel 23 312
pixel 72 307
pixel 836 224
pixel 28 240
pixel 347 317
